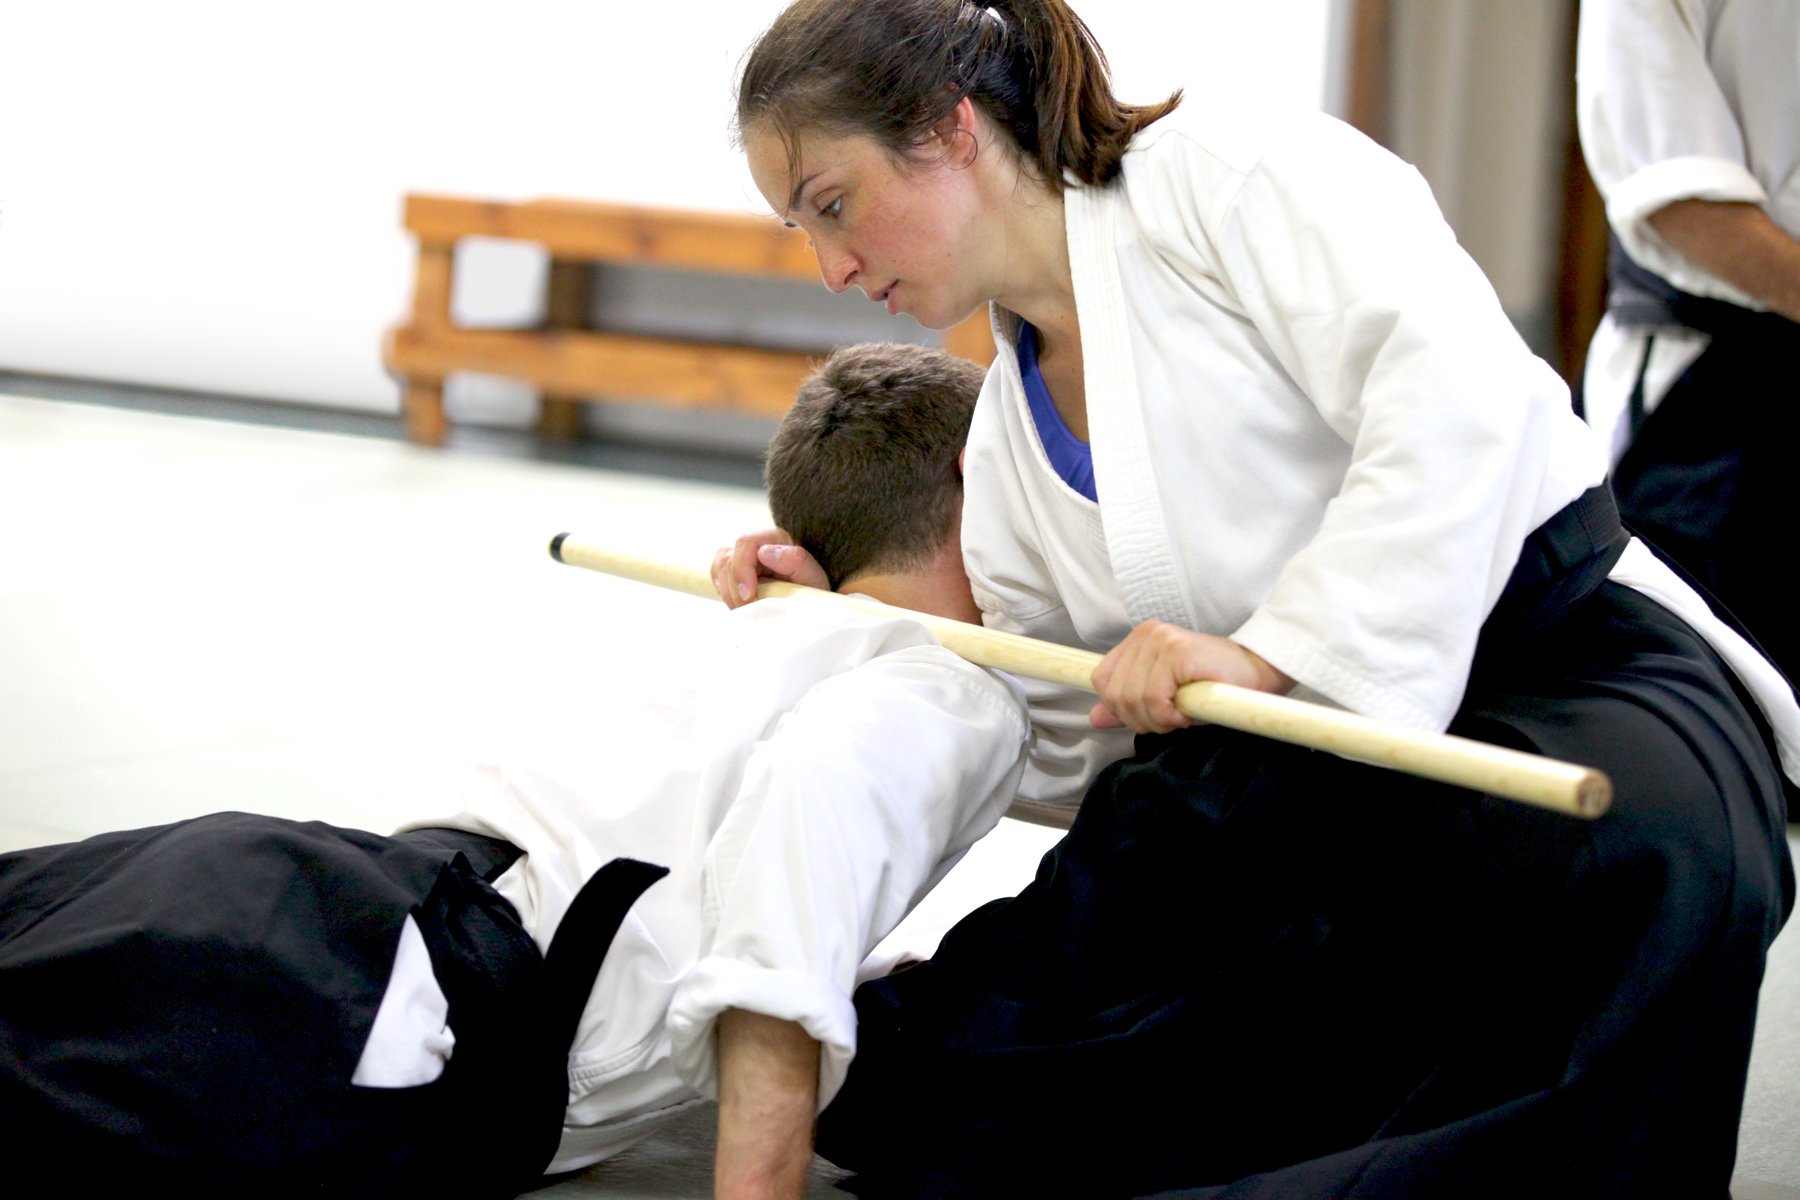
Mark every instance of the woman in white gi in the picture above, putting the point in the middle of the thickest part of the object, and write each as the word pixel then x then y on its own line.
pixel 1255 417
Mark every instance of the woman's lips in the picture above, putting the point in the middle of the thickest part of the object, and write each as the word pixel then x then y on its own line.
pixel 886 295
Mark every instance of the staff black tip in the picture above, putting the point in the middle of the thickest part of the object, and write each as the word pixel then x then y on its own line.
pixel 556 547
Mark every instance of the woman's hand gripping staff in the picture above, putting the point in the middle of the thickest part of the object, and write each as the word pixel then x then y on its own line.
pixel 1137 680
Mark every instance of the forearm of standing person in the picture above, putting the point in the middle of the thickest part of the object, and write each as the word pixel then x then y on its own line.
pixel 1739 244
pixel 768 1097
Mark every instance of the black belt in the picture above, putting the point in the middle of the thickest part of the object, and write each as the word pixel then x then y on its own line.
pixel 1638 296
pixel 1561 564
pixel 515 1013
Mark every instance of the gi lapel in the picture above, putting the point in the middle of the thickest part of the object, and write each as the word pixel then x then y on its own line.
pixel 1144 561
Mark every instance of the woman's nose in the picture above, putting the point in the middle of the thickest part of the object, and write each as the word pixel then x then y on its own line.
pixel 838 266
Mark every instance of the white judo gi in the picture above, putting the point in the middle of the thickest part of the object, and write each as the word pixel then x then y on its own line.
pixel 805 793
pixel 1314 431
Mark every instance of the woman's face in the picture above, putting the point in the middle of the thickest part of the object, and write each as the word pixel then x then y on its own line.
pixel 904 231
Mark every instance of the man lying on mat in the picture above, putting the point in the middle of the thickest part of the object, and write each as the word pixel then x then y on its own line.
pixel 539 980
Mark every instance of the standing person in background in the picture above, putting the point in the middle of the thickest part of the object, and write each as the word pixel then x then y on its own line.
pixel 1689 114
pixel 1255 417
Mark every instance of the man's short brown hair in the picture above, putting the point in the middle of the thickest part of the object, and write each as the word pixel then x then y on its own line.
pixel 863 471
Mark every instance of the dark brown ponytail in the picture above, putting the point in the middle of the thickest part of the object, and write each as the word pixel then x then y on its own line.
pixel 894 69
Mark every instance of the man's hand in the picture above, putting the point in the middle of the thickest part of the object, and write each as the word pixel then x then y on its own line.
pixel 767 554
pixel 1739 244
pixel 768 1098
pixel 1137 681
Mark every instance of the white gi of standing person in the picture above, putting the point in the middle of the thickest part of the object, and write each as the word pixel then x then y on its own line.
pixel 1256 418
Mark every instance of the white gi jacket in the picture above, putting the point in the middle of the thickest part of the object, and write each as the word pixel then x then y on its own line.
pixel 1314 431
pixel 1682 100
pixel 825 770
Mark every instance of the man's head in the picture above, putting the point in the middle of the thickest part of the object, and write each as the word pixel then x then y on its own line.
pixel 864 471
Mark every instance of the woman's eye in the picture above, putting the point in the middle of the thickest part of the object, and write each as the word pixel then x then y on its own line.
pixel 833 210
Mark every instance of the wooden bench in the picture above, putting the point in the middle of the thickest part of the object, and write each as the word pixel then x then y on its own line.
pixel 570 363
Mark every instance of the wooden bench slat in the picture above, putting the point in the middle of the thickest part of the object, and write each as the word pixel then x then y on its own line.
pixel 567 299
pixel 730 243
pixel 577 363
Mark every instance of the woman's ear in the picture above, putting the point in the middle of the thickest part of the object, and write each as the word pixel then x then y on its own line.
pixel 958 135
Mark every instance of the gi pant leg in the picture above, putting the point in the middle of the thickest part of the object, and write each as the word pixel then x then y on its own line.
pixel 1281 974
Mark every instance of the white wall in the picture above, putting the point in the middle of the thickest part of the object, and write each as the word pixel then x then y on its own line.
pixel 205 194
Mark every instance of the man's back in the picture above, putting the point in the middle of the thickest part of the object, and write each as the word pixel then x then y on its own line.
pixel 811 775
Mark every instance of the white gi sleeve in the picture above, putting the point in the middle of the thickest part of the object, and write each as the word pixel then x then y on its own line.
pixel 1461 440
pixel 1655 126
pixel 860 799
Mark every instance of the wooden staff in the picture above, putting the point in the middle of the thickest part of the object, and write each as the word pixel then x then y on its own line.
pixel 1511 774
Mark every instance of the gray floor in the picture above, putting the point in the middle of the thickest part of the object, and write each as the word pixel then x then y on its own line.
pixel 202 614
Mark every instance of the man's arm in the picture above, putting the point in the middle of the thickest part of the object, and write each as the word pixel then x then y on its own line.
pixel 768 1093
pixel 843 813
pixel 1739 244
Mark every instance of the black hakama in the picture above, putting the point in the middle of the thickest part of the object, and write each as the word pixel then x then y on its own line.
pixel 1253 970
pixel 184 1007
pixel 1707 478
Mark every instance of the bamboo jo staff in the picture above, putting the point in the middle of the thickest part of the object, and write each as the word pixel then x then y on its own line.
pixel 1511 774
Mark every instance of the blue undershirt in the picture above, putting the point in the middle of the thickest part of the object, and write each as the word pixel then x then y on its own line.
pixel 1070 457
